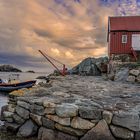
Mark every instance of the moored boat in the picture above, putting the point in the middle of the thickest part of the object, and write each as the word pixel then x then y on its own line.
pixel 9 87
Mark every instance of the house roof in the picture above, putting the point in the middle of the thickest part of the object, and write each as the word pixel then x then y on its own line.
pixel 124 23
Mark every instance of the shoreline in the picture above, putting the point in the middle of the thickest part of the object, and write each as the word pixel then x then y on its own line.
pixel 67 106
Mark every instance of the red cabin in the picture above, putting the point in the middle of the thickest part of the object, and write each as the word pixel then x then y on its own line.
pixel 124 36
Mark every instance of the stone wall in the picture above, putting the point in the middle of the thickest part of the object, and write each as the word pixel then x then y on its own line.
pixel 52 118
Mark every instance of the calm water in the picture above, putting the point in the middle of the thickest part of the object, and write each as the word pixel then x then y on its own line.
pixel 22 77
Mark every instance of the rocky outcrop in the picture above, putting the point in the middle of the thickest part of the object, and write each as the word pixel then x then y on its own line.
pixel 91 67
pixel 8 68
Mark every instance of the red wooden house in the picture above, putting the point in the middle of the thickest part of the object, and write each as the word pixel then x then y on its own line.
pixel 124 36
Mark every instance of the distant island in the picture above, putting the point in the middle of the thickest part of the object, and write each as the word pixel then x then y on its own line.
pixel 8 68
pixel 30 71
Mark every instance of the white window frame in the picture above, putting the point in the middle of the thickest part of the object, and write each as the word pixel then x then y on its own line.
pixel 124 39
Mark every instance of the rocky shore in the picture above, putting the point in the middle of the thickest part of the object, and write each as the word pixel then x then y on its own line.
pixel 75 108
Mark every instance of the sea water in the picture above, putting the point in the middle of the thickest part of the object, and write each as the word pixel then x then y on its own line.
pixel 22 77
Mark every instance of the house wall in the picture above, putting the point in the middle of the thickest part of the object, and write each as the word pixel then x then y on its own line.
pixel 115 43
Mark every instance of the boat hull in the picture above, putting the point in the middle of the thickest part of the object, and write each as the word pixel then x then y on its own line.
pixel 16 86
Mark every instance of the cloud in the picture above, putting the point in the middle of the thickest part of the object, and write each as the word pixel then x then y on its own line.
pixel 69 31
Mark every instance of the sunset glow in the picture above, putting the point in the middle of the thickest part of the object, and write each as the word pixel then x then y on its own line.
pixel 68 30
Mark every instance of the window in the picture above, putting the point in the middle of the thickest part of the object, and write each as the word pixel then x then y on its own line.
pixel 124 38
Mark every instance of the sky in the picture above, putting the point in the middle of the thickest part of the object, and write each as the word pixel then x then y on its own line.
pixel 67 30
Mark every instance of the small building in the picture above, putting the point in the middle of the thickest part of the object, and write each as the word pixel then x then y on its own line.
pixel 124 36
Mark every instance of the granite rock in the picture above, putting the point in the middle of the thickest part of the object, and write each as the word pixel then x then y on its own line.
pixel 122 133
pixel 37 109
pixel 48 123
pixel 48 134
pixel 63 121
pixel 80 123
pixel 69 130
pixel 128 120
pixel 18 119
pixel 67 110
pixel 90 113
pixel 107 116
pixel 99 132
pixel 134 72
pixel 28 129
pixel 36 119
pixel 22 112
pixel 23 104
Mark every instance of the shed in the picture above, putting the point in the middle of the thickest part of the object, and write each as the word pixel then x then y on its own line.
pixel 124 36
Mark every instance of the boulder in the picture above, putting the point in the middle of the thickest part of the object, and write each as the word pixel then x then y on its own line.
pixel 49 111
pixel 49 104
pixel 11 108
pixel 90 113
pixel 99 132
pixel 22 112
pixel 23 104
pixel 67 110
pixel 48 123
pixel 36 119
pixel 107 116
pixel 69 130
pixel 28 129
pixel 63 121
pixel 11 126
pixel 122 133
pixel 7 114
pixel 48 134
pixel 134 72
pixel 37 109
pixel 128 120
pixel 131 79
pixel 87 67
pixel 80 123
pixel 122 74
pixel 18 119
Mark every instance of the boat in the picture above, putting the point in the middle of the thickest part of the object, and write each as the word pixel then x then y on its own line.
pixel 9 87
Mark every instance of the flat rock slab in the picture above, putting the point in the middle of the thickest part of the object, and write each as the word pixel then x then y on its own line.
pixel 99 132
pixel 69 130
pixel 63 121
